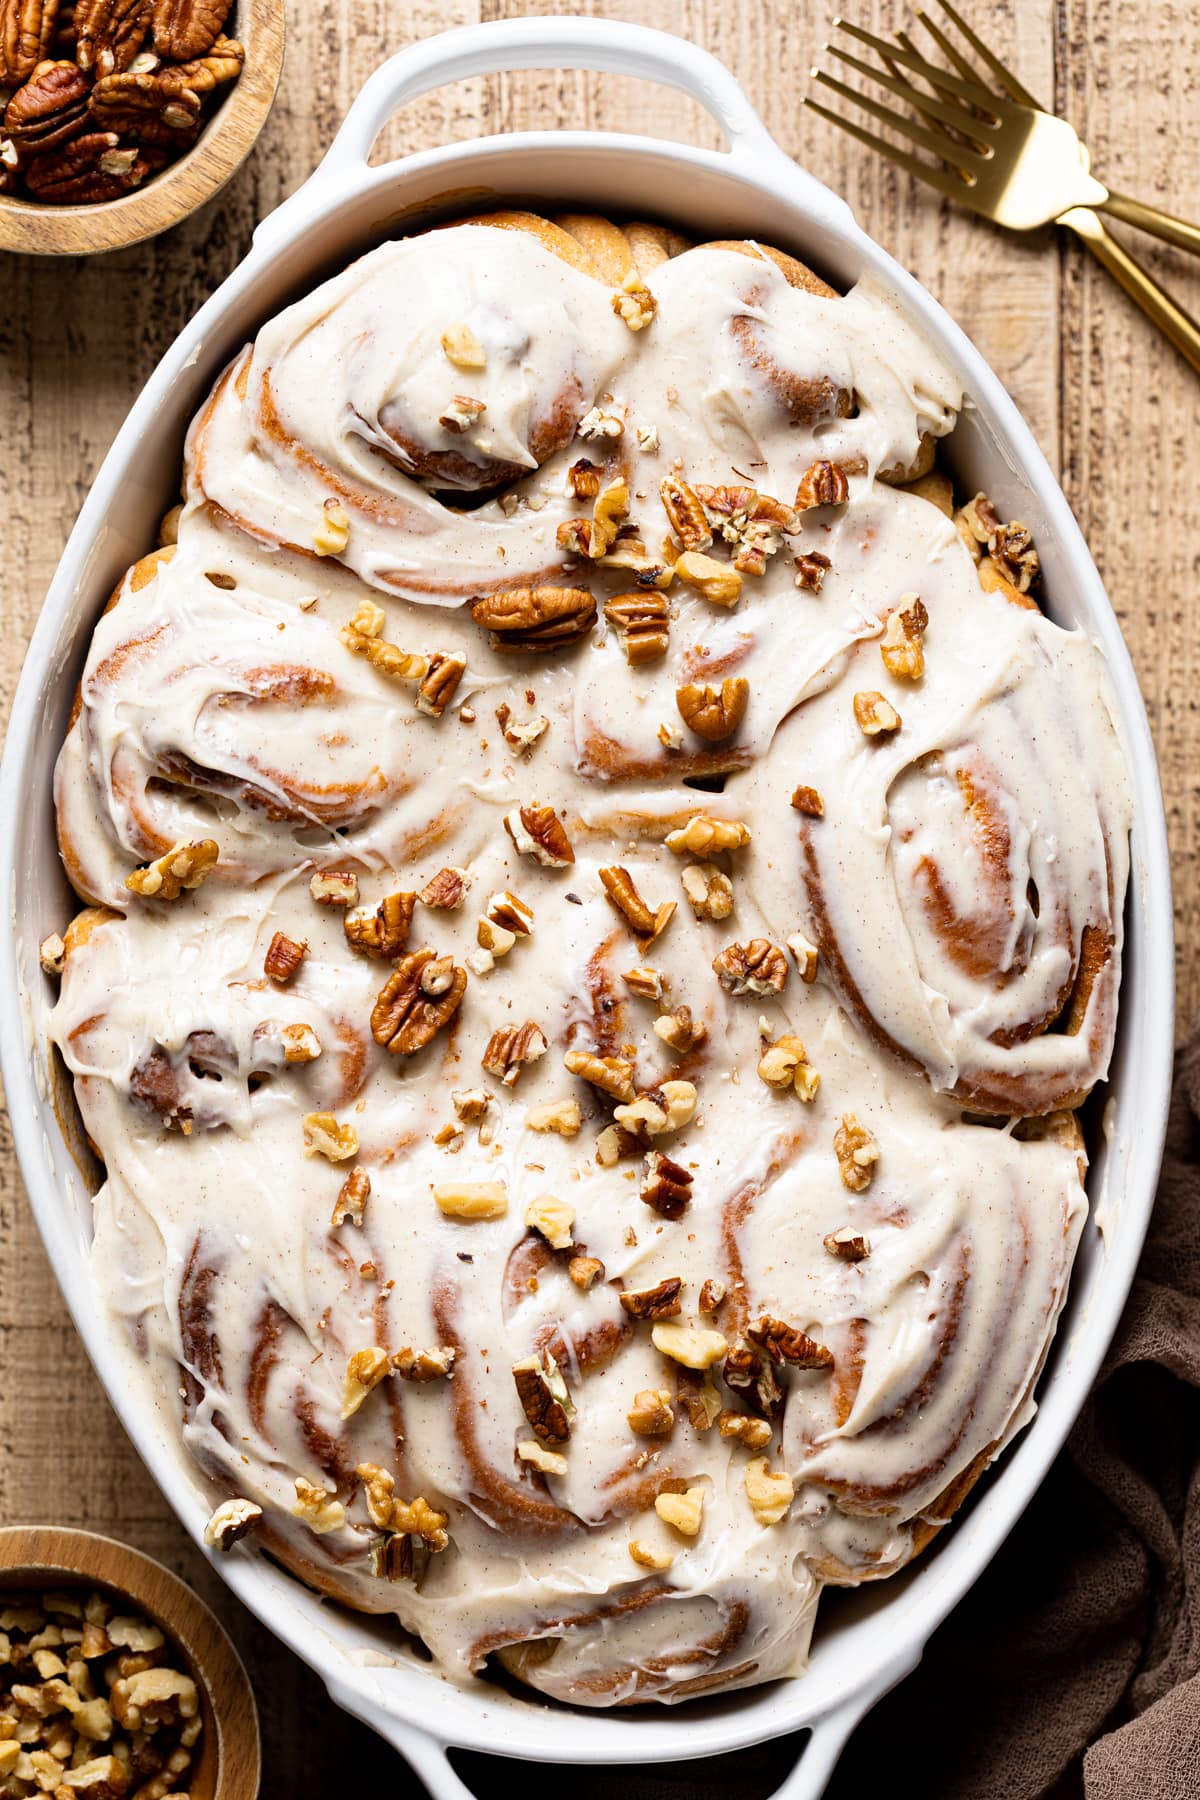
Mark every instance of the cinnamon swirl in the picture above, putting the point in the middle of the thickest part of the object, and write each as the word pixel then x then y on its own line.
pixel 605 900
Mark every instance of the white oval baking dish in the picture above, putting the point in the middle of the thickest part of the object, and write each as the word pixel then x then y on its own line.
pixel 869 1640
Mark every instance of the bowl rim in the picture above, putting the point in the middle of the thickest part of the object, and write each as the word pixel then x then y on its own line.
pixel 35 228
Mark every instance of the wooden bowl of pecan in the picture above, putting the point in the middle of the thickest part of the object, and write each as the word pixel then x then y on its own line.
pixel 116 1682
pixel 118 118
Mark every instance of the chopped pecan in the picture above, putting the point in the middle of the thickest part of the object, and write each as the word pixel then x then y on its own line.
pixel 808 800
pixel 424 1365
pixel 26 30
pixel 666 1186
pixel 680 1031
pixel 384 932
pixel 758 967
pixel 445 891
pixel 330 538
pixel 596 425
pixel 439 684
pixel 902 646
pixel 611 1074
pixel 510 1048
pixel 109 33
pixel 702 836
pixel 822 484
pixel 585 1271
pixel 646 983
pixel 352 1199
pixel 619 885
pixel 406 1015
pixel 49 110
pixel 538 831
pixel 185 866
pixel 183 29
pixel 684 509
pixel 847 1244
pixel 284 956
pixel 583 478
pixel 747 1374
pixel 658 1302
pixel 786 1343
pixel 462 413
pixel 392 1557
pixel 523 735
pixel 711 1295
pixel 856 1152
pixel 334 887
pixel 509 914
pixel 527 619
pixel 643 621
pixel 544 1398
pixel 876 716
pixel 812 566
pixel 714 714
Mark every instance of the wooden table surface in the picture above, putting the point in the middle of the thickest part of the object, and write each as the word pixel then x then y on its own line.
pixel 1117 413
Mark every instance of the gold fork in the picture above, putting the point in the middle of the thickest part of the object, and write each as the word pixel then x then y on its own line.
pixel 1005 157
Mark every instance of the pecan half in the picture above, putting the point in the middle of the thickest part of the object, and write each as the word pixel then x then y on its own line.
pixel 183 29
pixel 538 831
pixel 84 172
pixel 544 1398
pixel 510 1048
pixel 413 1005
pixel 666 1186
pixel 49 110
pixel 713 713
pixel 162 106
pixel 619 885
pixel 526 620
pixel 786 1343
pixel 109 33
pixel 26 28
pixel 643 621
pixel 685 510
pixel 759 967
pixel 658 1302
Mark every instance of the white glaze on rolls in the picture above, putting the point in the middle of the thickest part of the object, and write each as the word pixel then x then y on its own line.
pixel 237 712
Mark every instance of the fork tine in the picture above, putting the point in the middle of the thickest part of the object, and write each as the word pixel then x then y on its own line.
pixel 1004 76
pixel 904 90
pixel 940 178
pixel 936 142
pixel 959 134
pixel 937 77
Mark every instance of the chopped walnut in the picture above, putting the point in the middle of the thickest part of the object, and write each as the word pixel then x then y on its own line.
pixel 619 885
pixel 510 1048
pixel 331 533
pixel 334 887
pixel 646 1556
pixel 856 1152
pixel 583 479
pixel 806 955
pixel 786 1343
pixel 652 1414
pixel 634 303
pixel 547 1462
pixel 784 1064
pixel 561 1116
pixel 666 1186
pixel 320 1509
pixel 812 566
pixel 472 1199
pixel 445 891
pixel 709 891
pixel 585 1271
pixel 715 581
pixel 462 412
pixel 684 1512
pixel 554 1219
pixel 411 1518
pixel 538 831
pixel 230 1523
pixel 695 1346
pixel 710 1296
pixel 902 646
pixel 544 1398
pixel 462 348
pixel 283 958
pixel 613 1075
pixel 183 867
pixel 1011 547
pixel 679 1031
pixel 352 1199
pixel 847 1244
pixel 704 836
pixel 661 1110
pixel 757 967
pixel 323 1136
pixel 364 1371
pixel 714 714
pixel 770 1493
pixel 822 484
pixel 521 734
pixel 754 1433
pixel 876 717
pixel 52 954
pixel 596 425
pixel 658 1302
pixel 424 1365
pixel 300 1044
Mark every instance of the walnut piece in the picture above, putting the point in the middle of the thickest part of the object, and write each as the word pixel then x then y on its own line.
pixel 770 1493
pixel 472 1199
pixel 300 1044
pixel 538 831
pixel 544 1398
pixel 52 954
pixel 695 1346
pixel 521 735
pixel 585 1271
pixel 421 995
pixel 651 1414
pixel 703 836
pixel 658 1302
pixel 659 1110
pixel 847 1244
pixel 183 867
pixel 411 1518
pixel 709 890
pixel 561 1116
pixel 679 1031
pixel 613 1075
pixel 109 33
pixel 230 1523
pixel 634 303
pixel 621 889
pixel 461 347
pixel 547 1462
pixel 554 1219
pixel 784 1065
pixel 757 967
pixel 715 581
pixel 526 620
pixel 902 645
pixel 364 1371
pixel 424 1365
pixel 683 1512
pixel 808 800
pixel 332 531
pixel 754 1433
pixel 320 1508
pixel 714 714
pixel 856 1152
pixel 324 1136
pixel 875 716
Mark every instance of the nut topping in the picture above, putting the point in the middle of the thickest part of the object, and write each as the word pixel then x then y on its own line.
pixel 445 891
pixel 786 1343
pixel 684 1511
pixel 652 1414
pixel 807 800
pixel 547 1462
pixel 461 347
pixel 643 621
pixel 183 867
pixel 695 1346
pixel 613 1075
pixel 538 831
pixel 471 1199
pixel 411 1518
pixel 406 1016
pixel 847 1244
pixel 902 646
pixel 526 620
pixel 856 1152
pixel 52 954
pixel 461 414
pixel 334 887
pixel 561 1116
pixel 709 891
pixel 619 885
pixel 784 1064
pixel 658 1302
pixel 554 1219
pixel 758 967
pixel 822 484
pixel 666 1186
pixel 230 1523
pixel 812 566
pixel 714 714
pixel 383 933
pixel 283 958
pixel 585 1271
pixel 352 1199
pixel 702 836
pixel 544 1398
pixel 424 1365
pixel 440 682
pixel 364 1371
pixel 323 1136
pixel 876 716
pixel 659 1111
pixel 319 1507
pixel 646 1556
pixel 510 1048
pixel 680 1031
pixel 748 1374
pixel 1011 547
pixel 634 303
pixel 754 1433
pixel 770 1493
pixel 806 955
pixel 711 1295
pixel 715 581
pixel 686 513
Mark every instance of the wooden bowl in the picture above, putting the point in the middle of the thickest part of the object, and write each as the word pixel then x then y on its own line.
pixel 34 1557
pixel 36 229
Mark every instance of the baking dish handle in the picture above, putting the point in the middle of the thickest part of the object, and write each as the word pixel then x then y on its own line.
pixel 607 45
pixel 807 1780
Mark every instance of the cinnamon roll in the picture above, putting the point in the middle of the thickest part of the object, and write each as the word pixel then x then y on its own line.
pixel 604 900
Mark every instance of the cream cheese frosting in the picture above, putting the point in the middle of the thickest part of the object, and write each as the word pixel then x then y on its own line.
pixel 960 894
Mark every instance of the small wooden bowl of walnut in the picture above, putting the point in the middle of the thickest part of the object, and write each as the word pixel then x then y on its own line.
pixel 118 118
pixel 116 1682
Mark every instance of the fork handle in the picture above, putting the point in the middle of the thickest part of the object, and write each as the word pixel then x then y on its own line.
pixel 1151 218
pixel 1171 319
